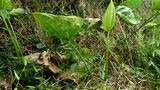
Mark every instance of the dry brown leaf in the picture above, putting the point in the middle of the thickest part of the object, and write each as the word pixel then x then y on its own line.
pixel 4 84
pixel 69 76
pixel 62 57
pixel 43 59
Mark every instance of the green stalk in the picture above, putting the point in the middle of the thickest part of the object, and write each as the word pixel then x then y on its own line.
pixel 15 39
pixel 106 65
pixel 13 36
pixel 81 57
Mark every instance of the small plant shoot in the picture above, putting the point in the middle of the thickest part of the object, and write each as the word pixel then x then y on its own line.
pixel 109 17
pixel 108 22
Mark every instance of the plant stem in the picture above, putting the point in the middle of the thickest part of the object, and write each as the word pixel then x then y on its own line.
pixel 148 20
pixel 81 57
pixel 13 36
pixel 127 43
pixel 106 65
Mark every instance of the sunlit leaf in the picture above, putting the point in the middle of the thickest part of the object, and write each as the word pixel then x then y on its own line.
pixel 152 25
pixel 25 61
pixel 127 15
pixel 5 4
pixel 16 75
pixel 92 21
pixel 109 18
pixel 132 3
pixel 62 27
pixel 16 12
pixel 88 24
pixel 155 4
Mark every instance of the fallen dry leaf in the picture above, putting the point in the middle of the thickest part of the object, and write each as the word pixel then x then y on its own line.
pixel 43 59
pixel 69 76
pixel 4 85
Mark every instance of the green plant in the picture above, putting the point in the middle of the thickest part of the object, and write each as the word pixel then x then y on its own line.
pixel 6 12
pixel 155 4
pixel 108 23
pixel 128 60
pixel 65 28
pixel 133 4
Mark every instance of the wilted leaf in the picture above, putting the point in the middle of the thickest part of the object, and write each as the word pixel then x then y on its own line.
pixel 16 12
pixel 109 18
pixel 5 4
pixel 62 27
pixel 69 76
pixel 127 15
pixel 43 59
pixel 155 4
pixel 132 3
pixel 4 85
pixel 76 72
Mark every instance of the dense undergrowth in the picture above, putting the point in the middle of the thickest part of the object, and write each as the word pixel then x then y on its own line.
pixel 133 51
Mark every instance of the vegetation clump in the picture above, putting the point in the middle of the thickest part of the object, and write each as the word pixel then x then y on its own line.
pixel 79 44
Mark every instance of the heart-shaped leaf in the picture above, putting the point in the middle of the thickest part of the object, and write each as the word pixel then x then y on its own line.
pixel 5 4
pixel 61 27
pixel 127 15
pixel 109 18
pixel 155 4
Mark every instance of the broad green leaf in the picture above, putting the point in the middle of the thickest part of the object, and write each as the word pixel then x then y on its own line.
pixel 127 15
pixel 132 3
pixel 155 4
pixel 16 12
pixel 109 18
pixel 62 27
pixel 5 4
